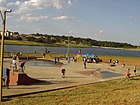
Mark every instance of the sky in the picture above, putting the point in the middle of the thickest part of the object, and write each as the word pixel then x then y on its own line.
pixel 105 20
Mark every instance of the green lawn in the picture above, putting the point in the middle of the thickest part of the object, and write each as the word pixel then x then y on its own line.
pixel 29 43
pixel 114 92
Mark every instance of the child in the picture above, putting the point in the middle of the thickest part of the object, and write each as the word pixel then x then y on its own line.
pixel 63 72
pixel 128 73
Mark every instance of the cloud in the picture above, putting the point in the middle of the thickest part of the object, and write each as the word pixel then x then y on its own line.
pixel 3 4
pixel 30 18
pixel 63 18
pixel 100 32
pixel 131 17
pixel 69 2
pixel 17 3
pixel 22 6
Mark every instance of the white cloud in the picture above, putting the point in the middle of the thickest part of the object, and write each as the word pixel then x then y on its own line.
pixel 131 17
pixel 69 2
pixel 28 5
pixel 30 18
pixel 70 32
pixel 63 18
pixel 17 3
pixel 100 32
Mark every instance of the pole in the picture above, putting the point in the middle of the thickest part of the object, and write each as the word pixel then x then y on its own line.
pixel 2 50
pixel 2 53
pixel 68 49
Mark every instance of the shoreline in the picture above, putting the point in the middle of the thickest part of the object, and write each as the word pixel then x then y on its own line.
pixel 28 43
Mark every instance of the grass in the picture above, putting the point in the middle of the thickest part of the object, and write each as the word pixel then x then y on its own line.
pixel 114 92
pixel 131 61
pixel 30 43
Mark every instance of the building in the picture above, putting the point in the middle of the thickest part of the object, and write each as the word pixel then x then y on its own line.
pixel 7 33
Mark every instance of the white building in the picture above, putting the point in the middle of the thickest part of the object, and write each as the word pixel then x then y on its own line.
pixel 7 33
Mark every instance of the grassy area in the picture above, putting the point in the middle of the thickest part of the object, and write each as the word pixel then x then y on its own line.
pixel 127 60
pixel 29 43
pixel 114 92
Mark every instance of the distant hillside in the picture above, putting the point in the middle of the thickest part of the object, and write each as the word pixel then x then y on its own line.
pixel 64 40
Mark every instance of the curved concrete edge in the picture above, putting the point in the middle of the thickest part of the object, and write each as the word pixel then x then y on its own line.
pixel 63 87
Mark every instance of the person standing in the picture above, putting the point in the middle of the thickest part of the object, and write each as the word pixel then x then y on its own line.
pixel 7 78
pixel 85 61
pixel 44 54
pixel 63 70
pixel 14 65
pixel 110 61
pixel 135 70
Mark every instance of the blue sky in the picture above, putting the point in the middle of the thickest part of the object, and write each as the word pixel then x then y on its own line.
pixel 109 20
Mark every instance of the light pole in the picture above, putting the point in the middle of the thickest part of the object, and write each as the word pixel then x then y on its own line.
pixel 3 16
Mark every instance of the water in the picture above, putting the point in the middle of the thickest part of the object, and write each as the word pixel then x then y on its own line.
pixel 63 50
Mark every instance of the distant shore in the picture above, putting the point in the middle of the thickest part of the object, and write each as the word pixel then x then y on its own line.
pixel 29 43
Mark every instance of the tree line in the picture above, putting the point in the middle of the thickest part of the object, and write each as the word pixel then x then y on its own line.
pixel 53 39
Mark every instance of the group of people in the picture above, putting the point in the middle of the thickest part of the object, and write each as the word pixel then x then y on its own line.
pixel 114 62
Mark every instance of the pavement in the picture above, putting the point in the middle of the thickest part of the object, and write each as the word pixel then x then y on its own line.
pixel 75 75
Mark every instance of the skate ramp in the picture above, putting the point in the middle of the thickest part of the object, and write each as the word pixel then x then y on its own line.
pixel 17 78
pixel 49 57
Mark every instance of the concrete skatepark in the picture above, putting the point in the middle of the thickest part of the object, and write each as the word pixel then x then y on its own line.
pixel 52 76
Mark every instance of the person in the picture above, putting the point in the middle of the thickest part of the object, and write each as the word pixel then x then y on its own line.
pixel 7 79
pixel 80 52
pixel 55 60
pixel 68 59
pixel 22 66
pixel 58 59
pixel 110 60
pixel 123 65
pixel 63 70
pixel 135 70
pixel 85 61
pixel 128 73
pixel 46 50
pixel 44 54
pixel 14 64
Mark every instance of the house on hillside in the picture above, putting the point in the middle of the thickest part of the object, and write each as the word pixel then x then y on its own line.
pixel 7 33
pixel 10 34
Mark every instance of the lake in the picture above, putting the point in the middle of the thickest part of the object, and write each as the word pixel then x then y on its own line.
pixel 96 51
